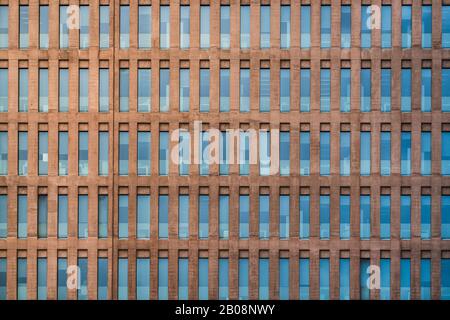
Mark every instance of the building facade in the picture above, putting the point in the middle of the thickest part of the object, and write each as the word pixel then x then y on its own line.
pixel 337 114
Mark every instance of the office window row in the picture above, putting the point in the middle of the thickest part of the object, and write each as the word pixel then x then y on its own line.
pixel 232 148
pixel 144 90
pixel 143 272
pixel 372 224
pixel 145 23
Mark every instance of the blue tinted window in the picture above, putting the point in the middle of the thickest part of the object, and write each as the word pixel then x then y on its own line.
pixel 325 26
pixel 364 278
pixel 445 279
pixel 264 90
pixel 385 279
pixel 445 26
pixel 365 153
pixel 83 278
pixel 285 90
pixel 143 153
pixel 445 100
pixel 304 153
pixel 183 216
pixel 143 216
pixel 344 153
pixel 366 31
pixel 23 27
pixel 203 217
pixel 224 90
pixel 185 26
pixel 426 26
pixel 324 153
pixel 425 279
pixel 22 154
pixel 324 217
pixel 103 91
pixel 425 153
pixel 83 210
pixel 243 278
pixel 325 90
pixel 284 278
pixel 244 152
pixel 163 217
pixel 346 83
pixel 365 90
pixel 445 218
pixel 164 27
pixel 163 153
pixel 385 217
pixel 426 90
pixel 304 278
pixel 204 153
pixel 264 278
pixel 445 153
pixel 144 90
pixel 124 90
pixel 163 279
pixel 23 90
pixel 385 90
pixel 284 153
pixel 405 154
pixel 244 90
pixel 43 90
pixel 385 153
pixel 142 278
pixel 145 27
pixel 304 216
pixel 225 27
pixel 42 278
pixel 103 151
pixel 203 278
pixel 123 153
pixel 305 90
pixel 324 278
pixel 103 216
pixel 405 279
pixel 346 26
pixel 344 278
pixel 84 27
pixel 425 216
pixel 3 216
pixel 183 278
pixel 61 279
pixel 406 90
pixel 285 26
pixel 224 207
pixel 244 212
pixel 4 13
pixel 223 278
pixel 184 153
pixel 265 27
pixel 102 279
pixel 83 90
pixel 204 90
pixel 43 27
pixel 406 26
pixel 305 26
pixel 22 278
pixel 284 217
pixel 122 279
pixel 245 27
pixel 22 217
pixel 42 216
pixel 164 90
pixel 386 26
pixel 43 153
pixel 63 153
pixel 344 211
pixel 405 217
pixel 123 216
pixel 104 27
pixel 364 207
pixel 264 214
pixel 3 88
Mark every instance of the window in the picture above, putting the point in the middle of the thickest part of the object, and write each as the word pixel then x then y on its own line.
pixel 344 278
pixel 304 153
pixel 284 153
pixel 285 27
pixel 243 278
pixel 204 153
pixel 103 204
pixel 445 100
pixel 204 26
pixel 244 210
pixel 103 152
pixel 83 277
pixel 284 217
pixel 84 27
pixel 22 278
pixel 426 26
pixel 22 216
pixel 385 90
pixel 104 27
pixel 425 153
pixel 285 90
pixel 43 27
pixel 425 279
pixel 324 217
pixel 42 278
pixel 244 90
pixel 164 27
pixel 83 153
pixel 425 217
pixel 184 152
pixel 64 26
pixel 184 89
pixel 386 26
pixel 63 215
pixel 183 216
pixel 23 90
pixel 83 101
pixel 385 278
pixel 405 278
pixel 122 279
pixel 62 279
pixel 143 279
pixel 43 90
pixel 264 90
pixel 264 153
pixel 203 216
pixel 3 216
pixel 365 90
pixel 123 216
pixel 445 279
pixel 445 26
pixel 204 90
pixel 143 216
pixel 346 90
pixel 223 279
pixel 405 153
pixel 225 27
pixel 305 90
pixel 103 90
pixel 183 278
pixel 224 150
pixel 445 153
pixel 325 90
pixel 406 27
pixel 144 90
pixel 124 27
pixel 164 90
pixel 163 279
pixel 145 27
pixel 265 27
pixel 324 278
pixel 4 21
pixel 224 90
pixel 163 216
pixel 63 153
pixel 264 216
pixel 43 153
pixel 284 278
pixel 346 26
pixel 345 153
pixel 224 208
pixel 304 216
pixel 385 217
pixel 426 90
pixel 4 88
pixel 385 153
pixel 163 153
pixel 83 210
pixel 244 153
pixel 102 278
pixel 344 211
pixel 303 278
pixel 63 90
pixel 185 28
pixel 406 90
pixel 366 30
pixel 305 26
pixel 23 27
pixel 203 278
pixel 324 153
pixel 325 26
pixel 245 27
pixel 364 209
pixel 124 90
pixel 364 265
pixel 143 152
pixel 123 153
pixel 365 153
pixel 445 218
pixel 42 216
pixel 405 217
pixel 264 277
pixel 23 152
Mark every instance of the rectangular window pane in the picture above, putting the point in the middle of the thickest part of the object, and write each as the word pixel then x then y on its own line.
pixel 204 153
pixel 203 278
pixel 245 27
pixel 143 153
pixel 344 211
pixel 386 26
pixel 405 217
pixel 224 207
pixel 264 216
pixel 83 153
pixel 42 216
pixel 63 90
pixel 304 153
pixel 285 27
pixel 83 277
pixel 425 279
pixel 203 216
pixel 385 217
pixel 123 216
pixel 385 278
pixel 83 101
pixel 23 27
pixel 304 206
pixel 284 278
pixel 243 278
pixel 63 26
pixel 284 217
pixel 365 90
pixel 183 216
pixel 103 90
pixel 4 21
pixel 163 279
pixel 143 216
pixel 345 90
pixel 145 27
pixel 345 153
pixel 123 153
pixel 43 90
pixel 42 278
pixel 223 279
pixel 304 278
pixel 122 279
pixel 285 90
pixel 305 26
pixel 23 153
pixel 3 216
pixel 4 88
pixel 385 153
pixel 164 90
pixel 324 278
pixel 84 27
pixel 63 153
pixel 405 279
pixel 406 27
pixel 163 153
pixel 185 28
pixel 184 90
pixel 366 30
pixel 22 216
pixel 406 90
pixel 102 279
pixel 103 204
pixel 325 26
pixel 83 210
pixel 324 153
pixel 365 153
pixel 244 153
pixel 103 153
pixel 244 90
pixel 426 90
pixel 225 27
pixel 445 279
pixel 144 90
pixel 224 149
pixel 346 26
pixel 364 268
pixel 62 279
pixel 184 152
pixel 324 217
pixel 364 207
pixel 163 217
pixel 264 278
pixel 43 153
pixel 265 27
pixel 124 90
pixel 143 279
pixel 325 90
pixel 264 90
pixel 104 27
pixel 405 154
pixel 164 27
pixel 445 217
pixel 344 278
pixel 426 26
pixel 385 90
pixel 204 90
pixel 43 27
pixel 23 90
pixel 124 27
pixel 264 153
pixel 22 278
pixel 425 217
pixel 244 212
pixel 445 26
pixel 445 153
pixel 425 153
pixel 224 90
pixel 285 153
pixel 204 26
pixel 445 100
pixel 183 278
